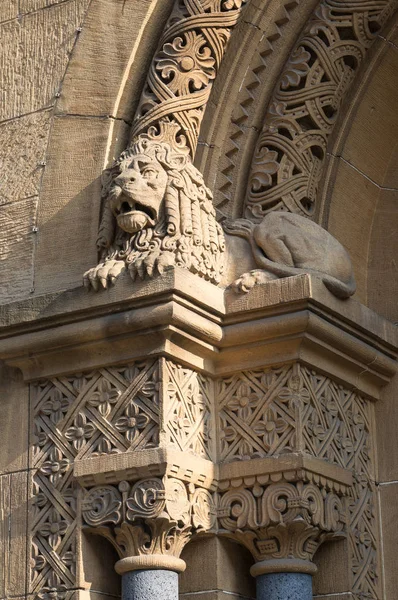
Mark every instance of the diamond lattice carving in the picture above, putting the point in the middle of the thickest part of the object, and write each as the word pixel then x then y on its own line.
pixel 106 411
pixel 188 410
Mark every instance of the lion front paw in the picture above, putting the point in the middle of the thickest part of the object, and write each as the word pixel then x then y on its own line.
pixel 247 281
pixel 104 274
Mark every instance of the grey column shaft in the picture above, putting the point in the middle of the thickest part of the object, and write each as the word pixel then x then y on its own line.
pixel 284 586
pixel 150 584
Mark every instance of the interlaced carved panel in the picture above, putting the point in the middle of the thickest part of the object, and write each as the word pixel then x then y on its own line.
pixel 106 411
pixel 293 408
pixel 259 413
pixel 256 418
pixel 188 410
pixel 291 149
pixel 185 66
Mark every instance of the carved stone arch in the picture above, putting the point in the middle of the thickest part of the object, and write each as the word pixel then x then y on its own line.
pixel 358 199
pixel 90 127
pixel 351 29
pixel 258 49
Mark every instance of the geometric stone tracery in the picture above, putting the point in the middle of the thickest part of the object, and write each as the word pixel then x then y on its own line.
pixel 259 413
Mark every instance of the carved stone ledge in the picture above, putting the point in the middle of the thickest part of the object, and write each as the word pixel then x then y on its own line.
pixel 156 462
pixel 190 320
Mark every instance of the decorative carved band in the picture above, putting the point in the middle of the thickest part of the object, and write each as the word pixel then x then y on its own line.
pixel 185 65
pixel 291 149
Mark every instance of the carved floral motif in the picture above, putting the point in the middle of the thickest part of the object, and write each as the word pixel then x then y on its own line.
pixel 185 65
pixel 294 408
pixel 188 410
pixel 259 413
pixel 75 416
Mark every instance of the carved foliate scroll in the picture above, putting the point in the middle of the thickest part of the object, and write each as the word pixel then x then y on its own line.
pixel 283 520
pixel 155 516
pixel 185 66
pixel 291 149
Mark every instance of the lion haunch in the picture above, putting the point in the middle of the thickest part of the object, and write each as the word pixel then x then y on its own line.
pixel 159 213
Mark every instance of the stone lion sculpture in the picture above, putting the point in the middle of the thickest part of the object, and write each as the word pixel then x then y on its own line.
pixel 159 213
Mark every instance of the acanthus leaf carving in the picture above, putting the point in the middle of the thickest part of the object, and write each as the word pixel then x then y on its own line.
pixel 289 521
pixel 155 516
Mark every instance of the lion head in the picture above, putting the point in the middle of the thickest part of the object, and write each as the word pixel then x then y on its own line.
pixel 164 212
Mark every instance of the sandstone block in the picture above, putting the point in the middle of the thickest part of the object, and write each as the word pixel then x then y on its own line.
pixel 13 532
pixel 14 397
pixel 389 532
pixel 8 10
pixel 110 62
pixel 17 241
pixel 70 201
pixel 24 143
pixel 34 53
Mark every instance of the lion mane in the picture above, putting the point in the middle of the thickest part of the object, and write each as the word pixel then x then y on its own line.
pixel 186 233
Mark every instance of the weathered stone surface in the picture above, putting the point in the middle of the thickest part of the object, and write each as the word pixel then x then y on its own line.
pixel 109 64
pixel 17 241
pixel 383 257
pixel 14 422
pixel 69 203
pixel 24 143
pixel 227 567
pixel 27 6
pixel 389 534
pixel 34 54
pixel 374 132
pixel 355 197
pixel 13 532
pixel 8 10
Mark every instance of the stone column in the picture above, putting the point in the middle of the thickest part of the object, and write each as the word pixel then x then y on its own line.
pixel 284 523
pixel 287 579
pixel 149 584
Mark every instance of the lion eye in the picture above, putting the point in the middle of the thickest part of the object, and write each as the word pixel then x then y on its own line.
pixel 149 173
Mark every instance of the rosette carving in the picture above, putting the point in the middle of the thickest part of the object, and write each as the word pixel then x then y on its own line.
pixel 184 67
pixel 286 520
pixel 204 510
pixel 146 500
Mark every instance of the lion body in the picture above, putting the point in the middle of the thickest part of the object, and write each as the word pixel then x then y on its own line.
pixel 158 213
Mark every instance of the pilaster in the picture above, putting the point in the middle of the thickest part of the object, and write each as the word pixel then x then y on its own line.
pixel 179 409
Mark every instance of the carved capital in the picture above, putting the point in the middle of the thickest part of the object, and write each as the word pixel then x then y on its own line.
pixel 149 521
pixel 284 521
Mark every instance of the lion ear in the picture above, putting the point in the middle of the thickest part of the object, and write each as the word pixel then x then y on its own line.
pixel 178 162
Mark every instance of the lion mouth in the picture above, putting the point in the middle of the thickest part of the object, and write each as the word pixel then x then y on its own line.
pixel 130 207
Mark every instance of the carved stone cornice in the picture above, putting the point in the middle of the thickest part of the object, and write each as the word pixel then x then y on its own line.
pixel 187 319
pixel 149 521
